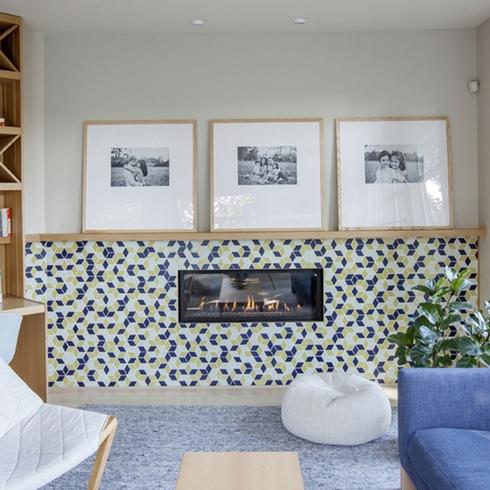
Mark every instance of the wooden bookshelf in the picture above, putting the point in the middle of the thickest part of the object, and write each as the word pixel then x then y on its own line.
pixel 31 354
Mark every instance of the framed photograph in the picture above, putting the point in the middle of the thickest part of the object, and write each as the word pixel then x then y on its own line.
pixel 394 173
pixel 139 176
pixel 266 174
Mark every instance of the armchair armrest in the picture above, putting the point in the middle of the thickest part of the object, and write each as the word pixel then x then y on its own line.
pixel 451 398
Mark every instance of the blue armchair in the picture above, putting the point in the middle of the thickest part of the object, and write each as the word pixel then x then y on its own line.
pixel 444 428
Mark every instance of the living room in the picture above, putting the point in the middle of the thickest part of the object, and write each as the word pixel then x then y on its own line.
pixel 244 244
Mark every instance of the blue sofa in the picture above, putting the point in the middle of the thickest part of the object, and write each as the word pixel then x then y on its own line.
pixel 444 428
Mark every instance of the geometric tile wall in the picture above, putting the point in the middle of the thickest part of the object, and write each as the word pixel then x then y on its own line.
pixel 112 309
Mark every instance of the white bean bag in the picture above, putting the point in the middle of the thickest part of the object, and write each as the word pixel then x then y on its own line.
pixel 336 408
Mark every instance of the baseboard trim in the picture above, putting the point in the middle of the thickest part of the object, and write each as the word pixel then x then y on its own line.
pixel 195 395
pixel 166 395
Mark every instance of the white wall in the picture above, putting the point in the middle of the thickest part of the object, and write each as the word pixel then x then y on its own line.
pixel 226 75
pixel 484 154
pixel 34 135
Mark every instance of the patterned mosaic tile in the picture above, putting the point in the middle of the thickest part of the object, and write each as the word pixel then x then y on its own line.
pixel 112 309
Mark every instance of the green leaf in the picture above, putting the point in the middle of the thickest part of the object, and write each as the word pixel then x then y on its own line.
pixel 441 293
pixel 433 312
pixel 419 322
pixel 466 362
pixel 425 289
pixel 427 335
pixel 487 306
pixel 480 320
pixel 485 358
pixel 401 354
pixel 459 306
pixel 448 345
pixel 449 320
pixel 460 284
pixel 399 339
pixel 420 355
pixel 451 273
pixel 468 347
pixel 443 361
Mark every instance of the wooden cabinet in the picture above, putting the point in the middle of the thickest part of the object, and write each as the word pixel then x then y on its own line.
pixel 30 357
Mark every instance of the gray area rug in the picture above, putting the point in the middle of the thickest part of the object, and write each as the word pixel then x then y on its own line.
pixel 151 441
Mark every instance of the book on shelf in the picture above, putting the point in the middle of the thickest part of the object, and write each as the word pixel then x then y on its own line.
pixel 5 222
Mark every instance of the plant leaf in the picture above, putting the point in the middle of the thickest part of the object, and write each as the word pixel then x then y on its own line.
pixel 466 362
pixel 448 345
pixel 485 358
pixel 399 339
pixel 449 320
pixel 433 312
pixel 451 273
pixel 443 361
pixel 424 289
pixel 459 306
pixel 468 347
pixel 427 335
pixel 420 355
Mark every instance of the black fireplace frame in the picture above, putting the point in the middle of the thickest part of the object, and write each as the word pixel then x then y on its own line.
pixel 244 317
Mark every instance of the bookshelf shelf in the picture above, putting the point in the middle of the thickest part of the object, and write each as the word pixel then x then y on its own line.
pixel 10 130
pixel 10 186
pixel 10 75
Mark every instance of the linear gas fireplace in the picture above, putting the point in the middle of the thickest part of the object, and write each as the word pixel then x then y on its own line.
pixel 251 295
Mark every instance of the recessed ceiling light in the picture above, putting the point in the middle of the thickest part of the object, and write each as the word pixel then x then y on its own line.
pixel 198 22
pixel 300 20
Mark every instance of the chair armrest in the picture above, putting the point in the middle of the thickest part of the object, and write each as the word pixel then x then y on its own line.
pixel 454 398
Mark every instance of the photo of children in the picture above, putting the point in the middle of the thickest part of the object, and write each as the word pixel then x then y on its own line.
pixel 267 165
pixel 393 164
pixel 140 167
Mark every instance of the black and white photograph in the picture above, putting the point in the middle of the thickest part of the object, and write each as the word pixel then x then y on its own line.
pixel 267 165
pixel 394 164
pixel 140 167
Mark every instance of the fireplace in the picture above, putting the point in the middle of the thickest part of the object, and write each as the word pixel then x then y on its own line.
pixel 244 295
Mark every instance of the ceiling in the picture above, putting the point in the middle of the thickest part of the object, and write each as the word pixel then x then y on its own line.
pixel 126 16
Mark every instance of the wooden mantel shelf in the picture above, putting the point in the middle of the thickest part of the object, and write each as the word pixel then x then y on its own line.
pixel 275 235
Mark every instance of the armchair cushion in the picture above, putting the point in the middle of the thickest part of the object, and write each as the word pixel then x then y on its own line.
pixel 451 459
pixel 17 400
pixel 47 444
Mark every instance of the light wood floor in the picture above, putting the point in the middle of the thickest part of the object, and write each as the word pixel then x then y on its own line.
pixel 215 395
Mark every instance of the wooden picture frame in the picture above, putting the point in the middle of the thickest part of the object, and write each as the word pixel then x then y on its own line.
pixel 261 123
pixel 445 161
pixel 187 155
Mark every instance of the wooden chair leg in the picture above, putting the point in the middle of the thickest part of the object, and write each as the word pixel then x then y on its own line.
pixel 106 439
pixel 406 482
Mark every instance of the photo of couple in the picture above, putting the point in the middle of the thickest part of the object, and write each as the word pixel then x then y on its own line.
pixel 267 165
pixel 397 164
pixel 140 167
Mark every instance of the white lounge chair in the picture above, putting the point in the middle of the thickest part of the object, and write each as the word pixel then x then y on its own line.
pixel 40 442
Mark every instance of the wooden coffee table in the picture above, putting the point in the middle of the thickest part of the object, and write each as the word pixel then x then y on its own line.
pixel 240 471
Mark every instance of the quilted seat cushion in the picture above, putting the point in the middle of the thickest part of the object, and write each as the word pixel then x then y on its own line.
pixel 47 444
pixel 451 459
pixel 17 401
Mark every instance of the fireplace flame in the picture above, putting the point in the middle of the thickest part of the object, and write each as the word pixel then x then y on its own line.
pixel 251 305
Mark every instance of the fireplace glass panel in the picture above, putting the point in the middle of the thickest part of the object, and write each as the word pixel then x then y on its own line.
pixel 251 295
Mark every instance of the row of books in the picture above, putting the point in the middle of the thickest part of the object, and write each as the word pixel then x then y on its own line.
pixel 5 222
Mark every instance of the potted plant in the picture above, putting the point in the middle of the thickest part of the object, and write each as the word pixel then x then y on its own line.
pixel 447 330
